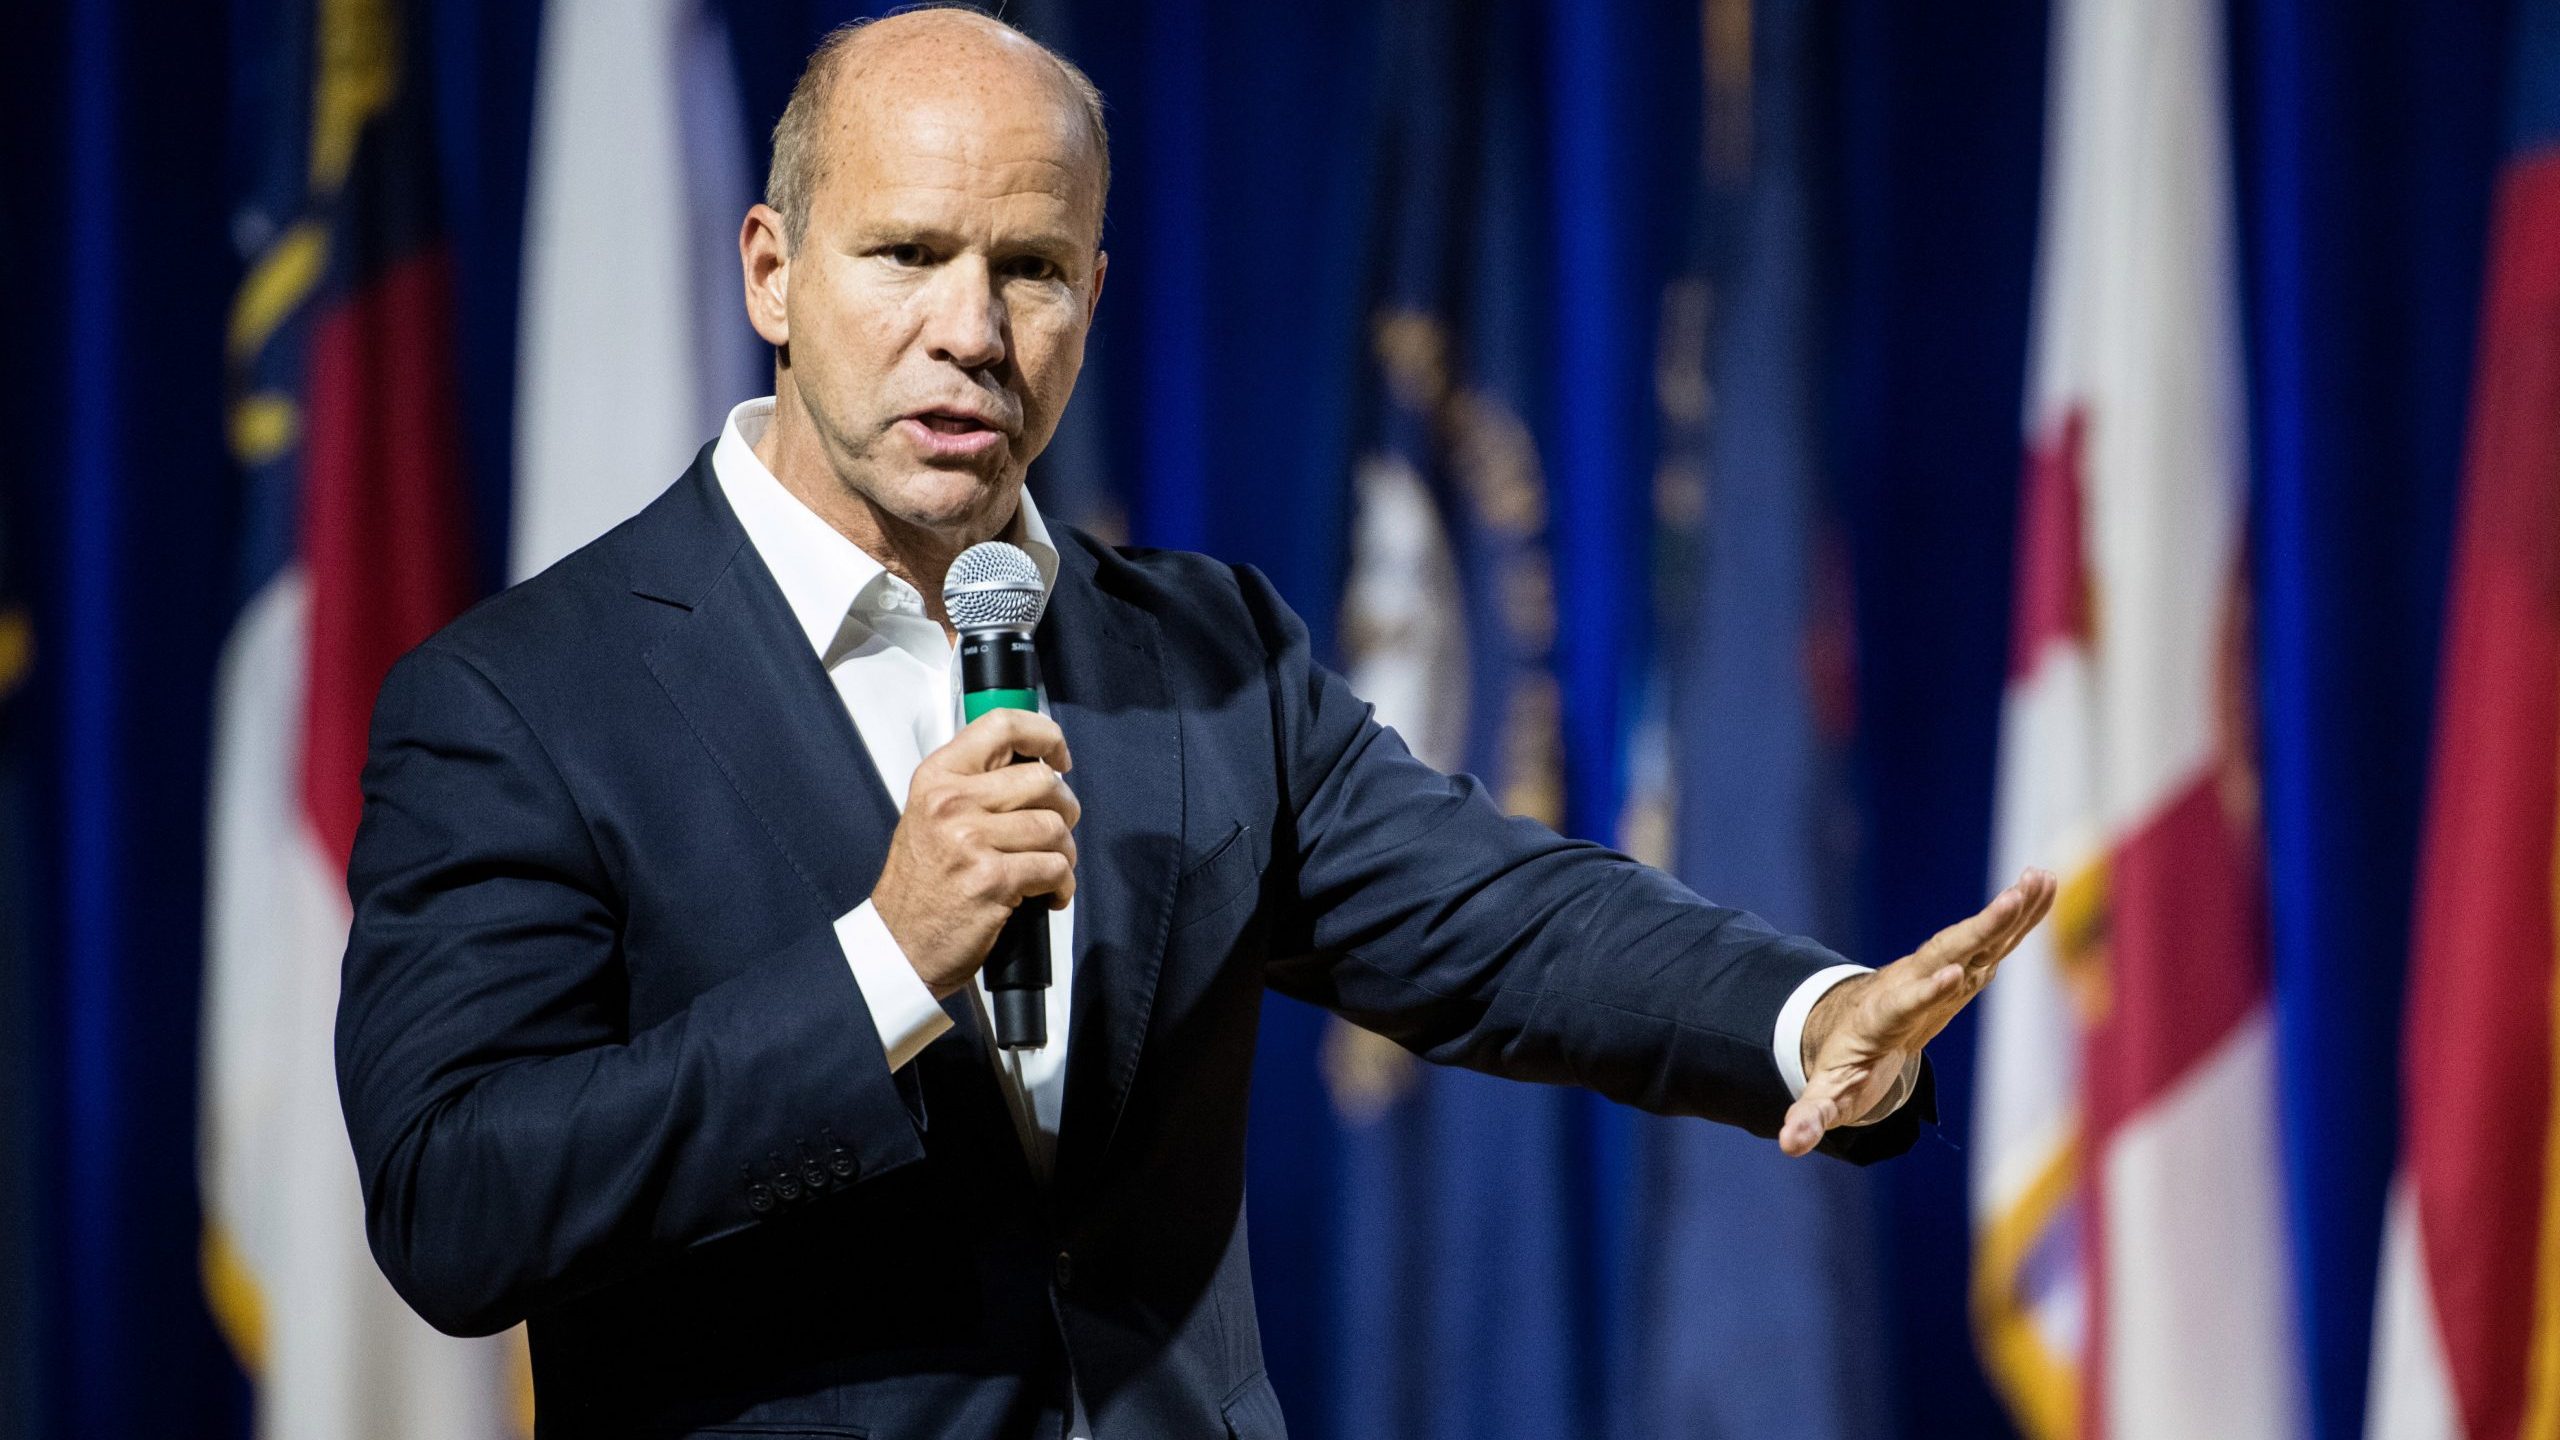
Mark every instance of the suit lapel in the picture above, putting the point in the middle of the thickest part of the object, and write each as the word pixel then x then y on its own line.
pixel 1100 659
pixel 740 670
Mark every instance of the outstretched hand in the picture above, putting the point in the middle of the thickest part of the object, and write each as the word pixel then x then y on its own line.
pixel 1866 1031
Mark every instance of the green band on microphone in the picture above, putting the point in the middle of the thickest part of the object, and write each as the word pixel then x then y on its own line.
pixel 975 703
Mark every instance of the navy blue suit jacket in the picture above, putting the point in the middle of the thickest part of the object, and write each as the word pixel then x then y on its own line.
pixel 606 1069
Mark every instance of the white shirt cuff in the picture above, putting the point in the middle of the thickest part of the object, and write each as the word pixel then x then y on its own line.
pixel 902 1005
pixel 1788 1043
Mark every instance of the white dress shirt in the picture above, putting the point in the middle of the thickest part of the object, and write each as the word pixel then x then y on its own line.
pixel 891 665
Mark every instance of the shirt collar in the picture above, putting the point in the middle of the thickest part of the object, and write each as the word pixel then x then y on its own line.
pixel 824 576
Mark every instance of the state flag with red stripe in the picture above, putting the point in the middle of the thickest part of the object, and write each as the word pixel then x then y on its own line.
pixel 2467 1325
pixel 2131 1278
pixel 343 419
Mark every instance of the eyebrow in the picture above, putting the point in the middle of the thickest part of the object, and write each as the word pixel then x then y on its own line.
pixel 1051 242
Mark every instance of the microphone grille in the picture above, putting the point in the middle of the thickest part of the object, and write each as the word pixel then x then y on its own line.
pixel 993 585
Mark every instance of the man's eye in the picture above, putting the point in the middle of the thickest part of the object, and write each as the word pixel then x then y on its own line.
pixel 908 254
pixel 1031 267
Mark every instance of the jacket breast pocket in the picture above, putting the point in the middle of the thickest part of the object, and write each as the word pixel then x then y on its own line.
pixel 1228 874
pixel 1253 1412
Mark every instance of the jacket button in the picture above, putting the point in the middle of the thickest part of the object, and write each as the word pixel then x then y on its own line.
pixel 813 1175
pixel 841 1163
pixel 1064 1268
pixel 759 1197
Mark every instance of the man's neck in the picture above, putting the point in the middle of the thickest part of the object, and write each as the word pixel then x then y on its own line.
pixel 792 452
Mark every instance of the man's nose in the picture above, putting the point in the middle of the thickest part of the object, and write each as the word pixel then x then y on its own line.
pixel 966 322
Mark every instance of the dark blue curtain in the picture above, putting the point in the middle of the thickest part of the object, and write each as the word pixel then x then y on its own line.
pixel 2368 135
pixel 119 265
pixel 1937 123
pixel 1226 369
pixel 19 1112
pixel 24 311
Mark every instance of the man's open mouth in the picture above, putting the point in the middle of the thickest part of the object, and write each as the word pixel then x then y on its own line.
pixel 954 434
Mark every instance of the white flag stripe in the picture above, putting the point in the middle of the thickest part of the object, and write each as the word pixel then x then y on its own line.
pixel 2029 1093
pixel 2410 1390
pixel 255 807
pixel 631 346
pixel 339 1352
pixel 2199 1302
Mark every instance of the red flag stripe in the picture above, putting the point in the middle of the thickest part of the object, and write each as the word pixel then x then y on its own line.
pixel 2186 953
pixel 382 516
pixel 2053 574
pixel 2478 1059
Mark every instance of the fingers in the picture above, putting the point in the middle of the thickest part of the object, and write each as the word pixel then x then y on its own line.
pixel 2041 886
pixel 1915 1001
pixel 944 794
pixel 2036 890
pixel 1930 986
pixel 1017 832
pixel 1975 933
pixel 1019 825
pixel 1006 859
pixel 1034 873
pixel 993 739
pixel 1983 938
pixel 1019 787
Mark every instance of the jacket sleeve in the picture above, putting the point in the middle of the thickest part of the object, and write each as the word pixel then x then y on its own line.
pixel 517 1142
pixel 1477 939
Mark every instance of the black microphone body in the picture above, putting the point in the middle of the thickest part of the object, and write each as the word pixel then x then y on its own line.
pixel 999 670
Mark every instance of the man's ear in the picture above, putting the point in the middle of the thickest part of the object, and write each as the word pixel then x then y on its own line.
pixel 1093 302
pixel 766 261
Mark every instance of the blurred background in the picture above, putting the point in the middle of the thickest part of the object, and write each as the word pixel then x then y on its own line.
pixel 1670 409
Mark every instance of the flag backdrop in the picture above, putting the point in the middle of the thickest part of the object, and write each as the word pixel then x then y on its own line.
pixel 342 414
pixel 2130 1257
pixel 1453 1202
pixel 1233 364
pixel 2467 1325
pixel 1755 1288
pixel 1481 1276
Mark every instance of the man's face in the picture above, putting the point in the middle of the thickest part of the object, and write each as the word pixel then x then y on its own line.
pixel 939 298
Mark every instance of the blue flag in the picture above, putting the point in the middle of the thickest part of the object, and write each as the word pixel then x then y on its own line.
pixel 1460 1258
pixel 1755 1307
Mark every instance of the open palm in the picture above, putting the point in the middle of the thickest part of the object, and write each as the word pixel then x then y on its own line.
pixel 1866 1033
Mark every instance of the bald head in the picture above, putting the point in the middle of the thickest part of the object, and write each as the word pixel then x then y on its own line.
pixel 935 55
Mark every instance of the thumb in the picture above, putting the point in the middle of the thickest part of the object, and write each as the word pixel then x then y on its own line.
pixel 1818 1109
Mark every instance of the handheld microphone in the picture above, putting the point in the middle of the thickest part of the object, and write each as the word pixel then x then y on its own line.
pixel 994 598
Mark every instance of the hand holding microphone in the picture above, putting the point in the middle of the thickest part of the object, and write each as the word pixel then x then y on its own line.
pixel 985 848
